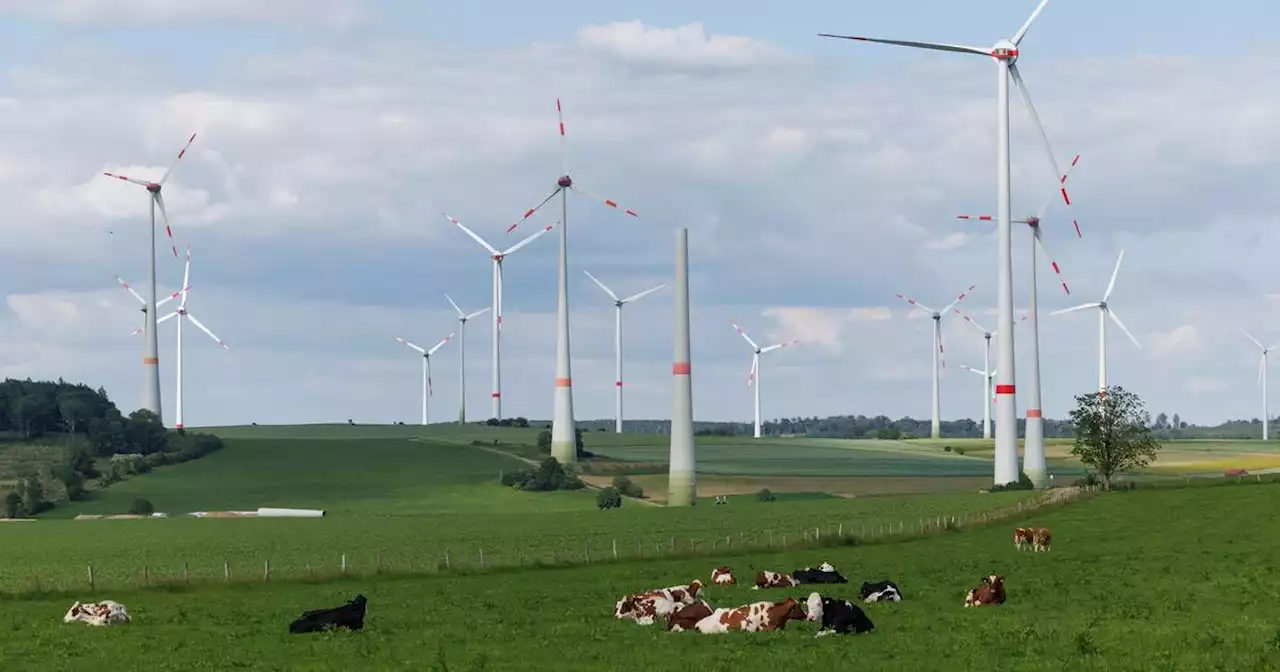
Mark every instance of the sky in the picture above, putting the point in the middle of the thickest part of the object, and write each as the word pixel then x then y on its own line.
pixel 818 178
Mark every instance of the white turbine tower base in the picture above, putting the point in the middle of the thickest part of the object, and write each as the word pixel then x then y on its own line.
pixel 682 480
pixel 1005 53
pixel 617 342
pixel 935 427
pixel 1104 313
pixel 1262 381
pixel 426 372
pixel 754 376
pixel 462 357
pixel 498 258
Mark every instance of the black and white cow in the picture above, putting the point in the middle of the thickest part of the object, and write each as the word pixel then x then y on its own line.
pixel 825 573
pixel 349 615
pixel 838 617
pixel 881 591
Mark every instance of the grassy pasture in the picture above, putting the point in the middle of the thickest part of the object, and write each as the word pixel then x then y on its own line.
pixel 1123 588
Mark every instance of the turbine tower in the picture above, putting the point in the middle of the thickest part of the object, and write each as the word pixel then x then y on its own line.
pixel 182 315
pixel 988 378
pixel 986 370
pixel 617 341
pixel 1034 464
pixel 151 360
pixel 682 484
pixel 935 428
pixel 1104 312
pixel 563 444
pixel 1005 53
pixel 498 258
pixel 1262 380
pixel 754 376
pixel 426 371
pixel 462 357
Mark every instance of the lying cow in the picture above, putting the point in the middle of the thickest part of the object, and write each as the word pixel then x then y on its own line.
pixel 723 576
pixel 688 616
pixel 1022 537
pixel 349 616
pixel 1041 540
pixel 767 579
pixel 990 592
pixel 838 617
pixel 825 573
pixel 644 608
pixel 97 614
pixel 755 617
pixel 881 591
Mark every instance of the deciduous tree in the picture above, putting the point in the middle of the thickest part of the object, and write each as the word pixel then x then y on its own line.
pixel 1113 433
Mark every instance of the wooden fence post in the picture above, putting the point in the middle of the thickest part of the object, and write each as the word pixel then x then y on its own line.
pixel 673 544
pixel 146 576
pixel 226 571
pixel 447 565
pixel 639 549
pixel 481 558
pixel 266 570
pixel 186 574
pixel 841 532
pixel 615 548
pixel 726 543
pixel 769 542
pixel 308 569
pixel 343 566
pixel 92 587
pixel 377 562
pixel 39 589
pixel 784 540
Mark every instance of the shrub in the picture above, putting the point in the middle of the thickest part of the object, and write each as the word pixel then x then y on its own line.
pixel 959 451
pixel 766 495
pixel 627 487
pixel 12 505
pixel 141 507
pixel 544 441
pixel 946 449
pixel 1089 480
pixel 608 498
pixel 1023 483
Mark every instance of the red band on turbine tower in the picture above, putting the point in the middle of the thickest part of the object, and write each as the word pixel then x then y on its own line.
pixel 681 368
pixel 496 395
pixel 1005 389
pixel 619 383
pixel 564 382
pixel 1033 413
pixel 150 360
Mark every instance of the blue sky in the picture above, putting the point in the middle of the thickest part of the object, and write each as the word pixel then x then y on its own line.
pixel 818 178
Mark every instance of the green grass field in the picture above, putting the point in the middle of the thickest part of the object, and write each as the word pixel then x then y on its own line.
pixel 1123 588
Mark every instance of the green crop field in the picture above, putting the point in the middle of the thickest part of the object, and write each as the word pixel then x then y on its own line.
pixel 1122 588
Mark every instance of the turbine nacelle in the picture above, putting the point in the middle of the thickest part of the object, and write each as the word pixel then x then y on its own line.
pixel 1004 50
pixel 153 187
pixel 564 182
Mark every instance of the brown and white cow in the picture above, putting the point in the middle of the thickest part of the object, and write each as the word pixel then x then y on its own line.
pixel 990 592
pixel 97 614
pixel 755 617
pixel 1042 539
pixel 723 576
pixel 1022 537
pixel 643 608
pixel 688 616
pixel 767 579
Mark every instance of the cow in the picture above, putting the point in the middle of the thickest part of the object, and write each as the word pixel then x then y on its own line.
pixel 767 579
pixel 723 576
pixel 349 616
pixel 990 592
pixel 881 591
pixel 825 573
pixel 755 617
pixel 98 614
pixel 838 617
pixel 1042 539
pixel 1022 537
pixel 643 608
pixel 688 616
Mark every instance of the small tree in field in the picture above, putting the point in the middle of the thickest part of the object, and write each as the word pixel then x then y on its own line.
pixel 1113 433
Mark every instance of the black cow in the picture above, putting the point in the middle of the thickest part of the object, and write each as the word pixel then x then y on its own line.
pixel 349 615
pixel 824 574
pixel 881 591
pixel 842 617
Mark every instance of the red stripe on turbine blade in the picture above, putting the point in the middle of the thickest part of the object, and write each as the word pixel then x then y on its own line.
pixel 1064 287
pixel 632 213
pixel 610 203
pixel 1065 197
pixel 1078 234
pixel 1005 389
pixel 562 129
pixel 1055 267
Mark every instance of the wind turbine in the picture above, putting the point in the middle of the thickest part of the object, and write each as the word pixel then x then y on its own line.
pixel 498 258
pixel 1005 53
pixel 151 360
pixel 987 371
pixel 1262 380
pixel 462 357
pixel 182 314
pixel 935 428
pixel 617 341
pixel 563 444
pixel 754 376
pixel 426 370
pixel 143 328
pixel 1104 312
pixel 1034 462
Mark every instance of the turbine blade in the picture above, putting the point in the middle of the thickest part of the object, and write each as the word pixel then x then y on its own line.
pixel 751 377
pixel 1053 263
pixel 564 149
pixel 455 306
pixel 186 280
pixel 1112 285
pixel 744 335
pixel 144 301
pixel 126 178
pixel 414 346
pixel 641 295
pixel 970 368
pixel 1044 138
pixel 532 237
pixel 168 230
pixel 1246 335
pixel 601 284
pixel 205 329
pixel 529 213
pixel 1123 328
pixel 1044 209
pixel 166 318
pixel 973 322
pixel 482 311
pixel 173 165
pixel 775 346
pixel 918 45
pixel 471 233
pixel 167 299
pixel 1022 32
pixel 958 300
pixel 609 202
pixel 917 304
pixel 439 345
pixel 1073 309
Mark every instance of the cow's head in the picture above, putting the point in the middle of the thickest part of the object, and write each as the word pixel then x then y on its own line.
pixel 73 614
pixel 826 567
pixel 814 604
pixel 624 607
pixel 787 610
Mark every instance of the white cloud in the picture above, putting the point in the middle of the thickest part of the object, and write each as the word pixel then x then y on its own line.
pixel 337 13
pixel 1181 341
pixel 952 241
pixel 685 47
